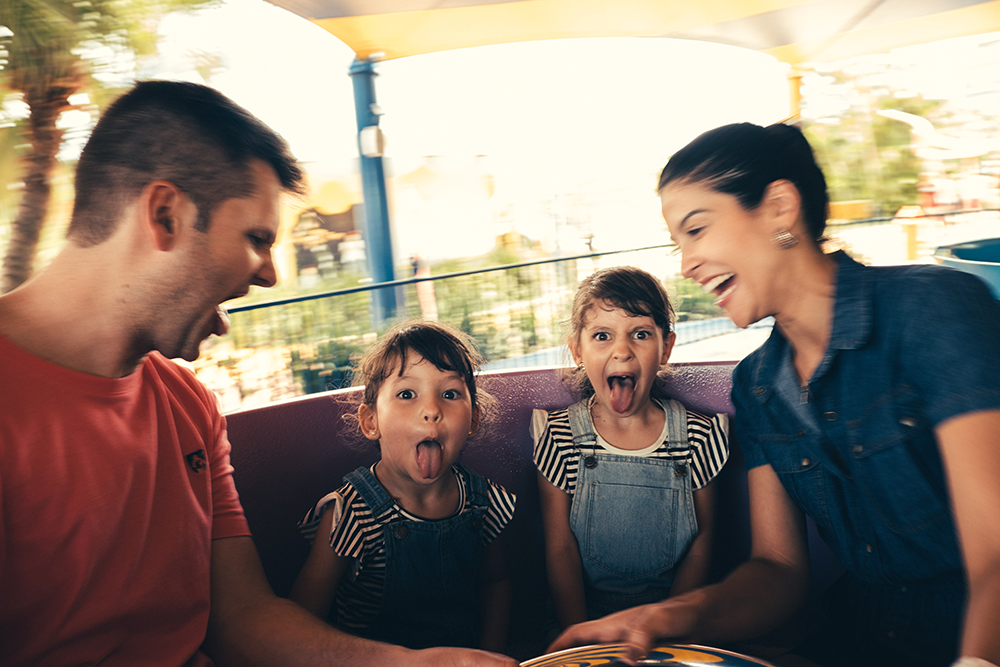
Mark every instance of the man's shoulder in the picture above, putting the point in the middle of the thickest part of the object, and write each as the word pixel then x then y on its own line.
pixel 178 380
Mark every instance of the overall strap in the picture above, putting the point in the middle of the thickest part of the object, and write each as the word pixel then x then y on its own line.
pixel 676 415
pixel 374 495
pixel 477 488
pixel 580 424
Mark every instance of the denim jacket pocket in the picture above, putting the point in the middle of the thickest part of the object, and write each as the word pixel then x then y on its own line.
pixel 801 474
pixel 889 444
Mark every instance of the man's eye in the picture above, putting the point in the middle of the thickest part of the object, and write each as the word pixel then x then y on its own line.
pixel 259 241
pixel 406 394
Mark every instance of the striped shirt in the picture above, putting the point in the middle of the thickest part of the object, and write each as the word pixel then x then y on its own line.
pixel 558 459
pixel 357 535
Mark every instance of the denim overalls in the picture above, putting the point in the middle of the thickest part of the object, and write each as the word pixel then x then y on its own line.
pixel 431 569
pixel 633 516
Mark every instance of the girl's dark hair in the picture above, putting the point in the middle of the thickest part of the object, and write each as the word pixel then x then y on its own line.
pixel 443 345
pixel 628 288
pixel 743 159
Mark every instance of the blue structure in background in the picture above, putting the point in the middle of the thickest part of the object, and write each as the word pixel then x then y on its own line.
pixel 378 237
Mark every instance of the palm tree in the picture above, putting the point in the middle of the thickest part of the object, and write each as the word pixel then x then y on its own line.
pixel 47 44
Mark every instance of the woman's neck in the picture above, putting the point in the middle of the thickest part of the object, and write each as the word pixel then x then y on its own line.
pixel 806 319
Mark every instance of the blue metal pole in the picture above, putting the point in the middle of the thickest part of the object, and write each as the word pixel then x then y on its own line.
pixel 377 235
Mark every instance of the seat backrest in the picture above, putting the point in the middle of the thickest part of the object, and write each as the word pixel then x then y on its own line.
pixel 288 455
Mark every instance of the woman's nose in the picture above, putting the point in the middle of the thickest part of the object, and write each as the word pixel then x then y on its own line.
pixel 689 262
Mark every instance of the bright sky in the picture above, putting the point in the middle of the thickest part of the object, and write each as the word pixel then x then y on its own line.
pixel 571 133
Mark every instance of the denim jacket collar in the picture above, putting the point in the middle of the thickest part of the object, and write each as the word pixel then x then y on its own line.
pixel 852 326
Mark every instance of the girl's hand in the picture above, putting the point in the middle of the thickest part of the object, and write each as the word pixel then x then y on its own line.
pixel 459 657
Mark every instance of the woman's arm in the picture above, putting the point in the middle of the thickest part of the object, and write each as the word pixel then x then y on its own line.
pixel 494 597
pixel 562 555
pixel 693 570
pixel 316 584
pixel 970 448
pixel 757 597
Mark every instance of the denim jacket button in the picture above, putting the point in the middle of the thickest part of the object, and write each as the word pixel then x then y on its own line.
pixel 830 416
pixel 590 462
pixel 858 449
pixel 909 422
pixel 805 462
pixel 759 391
pixel 869 548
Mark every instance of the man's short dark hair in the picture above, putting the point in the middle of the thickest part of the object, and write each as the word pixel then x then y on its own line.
pixel 188 134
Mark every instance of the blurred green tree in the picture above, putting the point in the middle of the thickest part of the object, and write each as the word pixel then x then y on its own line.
pixel 51 50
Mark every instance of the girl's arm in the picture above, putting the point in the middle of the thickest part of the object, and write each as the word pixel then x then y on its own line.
pixel 316 584
pixel 562 555
pixel 494 598
pixel 970 448
pixel 693 570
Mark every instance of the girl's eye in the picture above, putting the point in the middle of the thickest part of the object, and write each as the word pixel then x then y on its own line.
pixel 642 335
pixel 406 394
pixel 451 394
pixel 601 335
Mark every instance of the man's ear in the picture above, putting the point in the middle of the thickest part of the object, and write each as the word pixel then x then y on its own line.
pixel 162 207
pixel 368 419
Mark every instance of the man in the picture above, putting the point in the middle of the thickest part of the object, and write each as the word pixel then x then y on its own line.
pixel 122 540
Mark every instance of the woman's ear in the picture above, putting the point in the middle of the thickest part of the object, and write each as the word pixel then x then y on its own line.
pixel 368 418
pixel 784 203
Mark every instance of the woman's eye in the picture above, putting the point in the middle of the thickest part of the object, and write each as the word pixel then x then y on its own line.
pixel 406 394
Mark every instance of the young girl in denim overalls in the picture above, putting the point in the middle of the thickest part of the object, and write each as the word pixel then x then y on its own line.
pixel 408 553
pixel 624 474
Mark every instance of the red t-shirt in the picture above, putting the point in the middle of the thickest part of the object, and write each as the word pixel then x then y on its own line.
pixel 111 491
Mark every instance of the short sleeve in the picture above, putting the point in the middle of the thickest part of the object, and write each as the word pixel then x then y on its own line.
pixel 554 454
pixel 952 349
pixel 500 512
pixel 309 524
pixel 709 440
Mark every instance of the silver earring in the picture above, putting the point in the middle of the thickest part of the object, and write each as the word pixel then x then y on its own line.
pixel 784 239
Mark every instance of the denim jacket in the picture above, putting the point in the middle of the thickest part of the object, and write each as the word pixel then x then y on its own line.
pixel 910 347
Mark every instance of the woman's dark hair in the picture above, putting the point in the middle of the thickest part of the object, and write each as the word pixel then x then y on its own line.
pixel 743 159
pixel 628 288
pixel 443 345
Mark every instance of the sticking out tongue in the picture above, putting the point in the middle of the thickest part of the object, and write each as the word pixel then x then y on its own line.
pixel 429 457
pixel 622 389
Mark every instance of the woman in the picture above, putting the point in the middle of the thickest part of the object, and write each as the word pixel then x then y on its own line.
pixel 874 407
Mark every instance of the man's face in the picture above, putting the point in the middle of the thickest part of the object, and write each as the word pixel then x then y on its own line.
pixel 220 264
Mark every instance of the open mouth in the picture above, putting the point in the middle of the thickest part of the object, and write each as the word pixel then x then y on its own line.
pixel 622 391
pixel 721 286
pixel 430 455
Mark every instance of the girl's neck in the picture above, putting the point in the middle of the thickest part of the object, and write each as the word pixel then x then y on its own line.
pixel 437 500
pixel 633 431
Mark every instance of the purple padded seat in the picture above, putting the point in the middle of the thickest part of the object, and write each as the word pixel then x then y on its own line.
pixel 289 454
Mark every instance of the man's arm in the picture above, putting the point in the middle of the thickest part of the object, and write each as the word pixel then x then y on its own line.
pixel 250 626
pixel 753 600
pixel 970 448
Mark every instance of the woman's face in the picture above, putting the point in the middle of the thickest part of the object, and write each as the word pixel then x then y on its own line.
pixel 724 248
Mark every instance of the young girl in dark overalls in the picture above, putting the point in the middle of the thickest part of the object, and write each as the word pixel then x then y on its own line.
pixel 624 474
pixel 407 550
